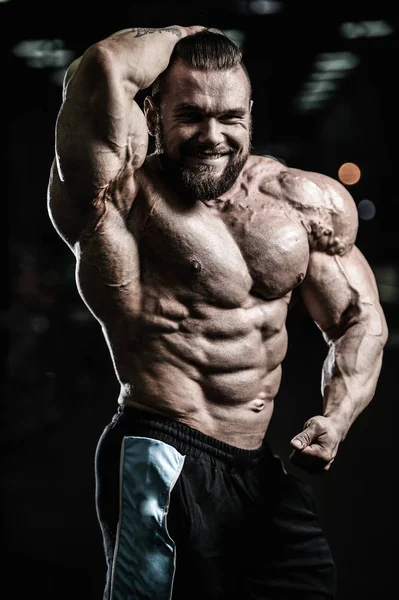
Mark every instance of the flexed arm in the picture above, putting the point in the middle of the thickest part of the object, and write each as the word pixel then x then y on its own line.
pixel 341 295
pixel 101 136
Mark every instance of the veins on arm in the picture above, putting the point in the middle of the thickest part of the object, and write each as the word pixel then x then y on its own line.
pixel 361 303
pixel 342 297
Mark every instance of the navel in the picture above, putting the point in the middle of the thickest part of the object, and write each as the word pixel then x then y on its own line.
pixel 258 405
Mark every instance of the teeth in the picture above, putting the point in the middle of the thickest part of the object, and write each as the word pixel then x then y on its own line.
pixel 209 155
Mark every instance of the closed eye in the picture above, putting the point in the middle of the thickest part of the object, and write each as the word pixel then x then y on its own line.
pixel 190 117
pixel 231 118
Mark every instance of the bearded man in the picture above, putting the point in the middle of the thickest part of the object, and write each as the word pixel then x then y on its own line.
pixel 188 258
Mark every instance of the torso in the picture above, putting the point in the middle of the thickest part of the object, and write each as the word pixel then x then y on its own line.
pixel 193 298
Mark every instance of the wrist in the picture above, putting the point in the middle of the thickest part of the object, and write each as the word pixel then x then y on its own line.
pixel 340 422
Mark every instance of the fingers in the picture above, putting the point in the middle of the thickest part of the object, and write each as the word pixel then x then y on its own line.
pixel 316 446
pixel 301 441
pixel 194 29
pixel 215 30
pixel 313 430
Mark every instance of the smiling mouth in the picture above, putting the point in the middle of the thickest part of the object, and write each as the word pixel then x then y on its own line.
pixel 205 158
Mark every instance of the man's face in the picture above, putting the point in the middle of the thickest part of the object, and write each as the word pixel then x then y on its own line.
pixel 204 129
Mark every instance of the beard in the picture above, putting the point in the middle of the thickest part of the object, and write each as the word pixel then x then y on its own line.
pixel 198 183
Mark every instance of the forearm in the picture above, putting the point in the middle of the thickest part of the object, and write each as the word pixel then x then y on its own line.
pixel 350 374
pixel 140 54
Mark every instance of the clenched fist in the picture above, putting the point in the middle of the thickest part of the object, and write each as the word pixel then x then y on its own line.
pixel 315 448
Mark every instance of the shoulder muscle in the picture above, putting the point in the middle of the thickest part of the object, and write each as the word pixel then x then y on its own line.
pixel 329 212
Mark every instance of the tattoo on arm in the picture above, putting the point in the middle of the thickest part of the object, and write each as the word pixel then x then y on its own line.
pixel 140 31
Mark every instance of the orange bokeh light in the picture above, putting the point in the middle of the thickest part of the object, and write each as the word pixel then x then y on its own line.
pixel 349 173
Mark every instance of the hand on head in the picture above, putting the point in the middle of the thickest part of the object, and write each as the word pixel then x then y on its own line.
pixel 196 28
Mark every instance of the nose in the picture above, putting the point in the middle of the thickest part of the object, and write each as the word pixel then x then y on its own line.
pixel 210 133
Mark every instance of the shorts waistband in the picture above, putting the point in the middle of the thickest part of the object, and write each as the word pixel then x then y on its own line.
pixel 187 440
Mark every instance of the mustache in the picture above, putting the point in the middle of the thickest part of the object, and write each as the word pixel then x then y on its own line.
pixel 195 149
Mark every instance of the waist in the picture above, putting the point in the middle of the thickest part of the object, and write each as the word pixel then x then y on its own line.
pixel 188 440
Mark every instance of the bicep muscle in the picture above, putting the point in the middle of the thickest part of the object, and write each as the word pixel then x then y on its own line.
pixel 340 291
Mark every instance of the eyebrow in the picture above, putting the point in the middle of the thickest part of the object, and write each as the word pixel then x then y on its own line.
pixel 195 108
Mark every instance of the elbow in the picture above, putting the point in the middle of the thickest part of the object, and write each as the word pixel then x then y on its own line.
pixel 105 62
pixel 99 59
pixel 71 70
pixel 90 67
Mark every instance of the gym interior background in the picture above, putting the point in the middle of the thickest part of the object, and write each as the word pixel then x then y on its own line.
pixel 324 76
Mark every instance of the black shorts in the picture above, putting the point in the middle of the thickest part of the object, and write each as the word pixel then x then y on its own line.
pixel 187 517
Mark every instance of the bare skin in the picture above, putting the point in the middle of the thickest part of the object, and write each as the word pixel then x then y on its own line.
pixel 192 294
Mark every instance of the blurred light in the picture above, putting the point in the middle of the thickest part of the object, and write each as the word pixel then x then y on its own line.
pixel 260 7
pixel 309 103
pixel 264 7
pixel 329 70
pixel 325 75
pixel 349 173
pixel 366 29
pixel 235 35
pixel 336 61
pixel 40 54
pixel 313 96
pixel 366 209
pixel 320 86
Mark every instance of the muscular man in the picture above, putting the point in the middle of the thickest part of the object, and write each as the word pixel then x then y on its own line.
pixel 188 258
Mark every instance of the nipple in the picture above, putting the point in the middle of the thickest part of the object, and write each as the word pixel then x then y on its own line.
pixel 195 266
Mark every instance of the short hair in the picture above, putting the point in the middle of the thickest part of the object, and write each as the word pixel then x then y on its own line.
pixel 205 50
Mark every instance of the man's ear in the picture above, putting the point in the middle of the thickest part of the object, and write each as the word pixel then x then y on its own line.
pixel 151 114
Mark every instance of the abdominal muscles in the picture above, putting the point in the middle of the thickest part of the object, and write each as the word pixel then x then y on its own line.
pixel 216 369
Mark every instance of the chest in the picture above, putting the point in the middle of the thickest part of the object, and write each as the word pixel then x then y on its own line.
pixel 224 254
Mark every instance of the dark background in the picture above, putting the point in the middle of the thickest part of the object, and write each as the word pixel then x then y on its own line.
pixel 59 388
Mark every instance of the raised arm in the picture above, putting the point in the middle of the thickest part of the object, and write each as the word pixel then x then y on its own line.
pixel 341 295
pixel 101 136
